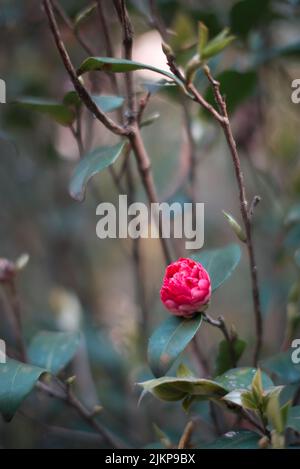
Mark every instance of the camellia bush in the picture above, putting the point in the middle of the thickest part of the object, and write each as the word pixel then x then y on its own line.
pixel 192 375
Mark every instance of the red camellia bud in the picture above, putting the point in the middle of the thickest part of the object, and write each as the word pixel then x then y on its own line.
pixel 186 288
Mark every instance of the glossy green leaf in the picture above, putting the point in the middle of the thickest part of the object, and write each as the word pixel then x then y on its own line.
pixel 220 263
pixel 53 350
pixel 108 103
pixel 235 440
pixel 293 420
pixel 169 341
pixel 236 86
pixel 241 398
pixel 283 368
pixel 224 358
pixel 273 411
pixel 17 380
pixel 217 45
pixel 57 111
pixel 72 98
pixel 202 37
pixel 108 64
pixel 236 227
pixel 241 378
pixel 177 389
pixel 94 162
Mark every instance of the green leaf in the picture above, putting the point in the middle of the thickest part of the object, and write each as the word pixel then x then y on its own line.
pixel 294 418
pixel 241 378
pixel 108 64
pixel 90 165
pixel 283 368
pixel 72 98
pixel 203 37
pixel 219 263
pixel 235 440
pixel 177 389
pixel 108 103
pixel 236 227
pixel 224 359
pixel 84 14
pixel 257 386
pixel 57 111
pixel 169 341
pixel 150 120
pixel 236 86
pixel 184 372
pixel 17 380
pixel 217 45
pixel 53 350
pixel 274 411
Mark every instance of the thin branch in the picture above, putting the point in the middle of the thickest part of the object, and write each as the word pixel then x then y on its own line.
pixel 66 395
pixel 220 324
pixel 244 211
pixel 108 42
pixel 128 33
pixel 132 133
pixel 222 117
pixel 82 92
pixel 135 137
pixel 144 166
pixel 200 357
pixel 185 439
pixel 69 23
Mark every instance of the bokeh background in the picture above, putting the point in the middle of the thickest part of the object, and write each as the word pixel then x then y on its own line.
pixel 74 280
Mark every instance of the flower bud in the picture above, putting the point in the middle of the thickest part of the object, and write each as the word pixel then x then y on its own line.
pixel 237 229
pixel 186 288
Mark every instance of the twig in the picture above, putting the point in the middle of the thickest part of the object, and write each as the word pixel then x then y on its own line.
pixel 66 395
pixel 108 41
pixel 202 361
pixel 82 92
pixel 223 119
pixel 132 133
pixel 244 211
pixel 220 324
pixel 185 439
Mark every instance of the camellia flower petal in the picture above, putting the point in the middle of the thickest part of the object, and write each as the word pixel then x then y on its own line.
pixel 186 288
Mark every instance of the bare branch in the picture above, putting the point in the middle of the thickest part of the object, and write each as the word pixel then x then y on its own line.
pixel 82 92
pixel 244 210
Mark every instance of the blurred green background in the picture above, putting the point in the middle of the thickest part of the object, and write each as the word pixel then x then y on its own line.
pixel 74 280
